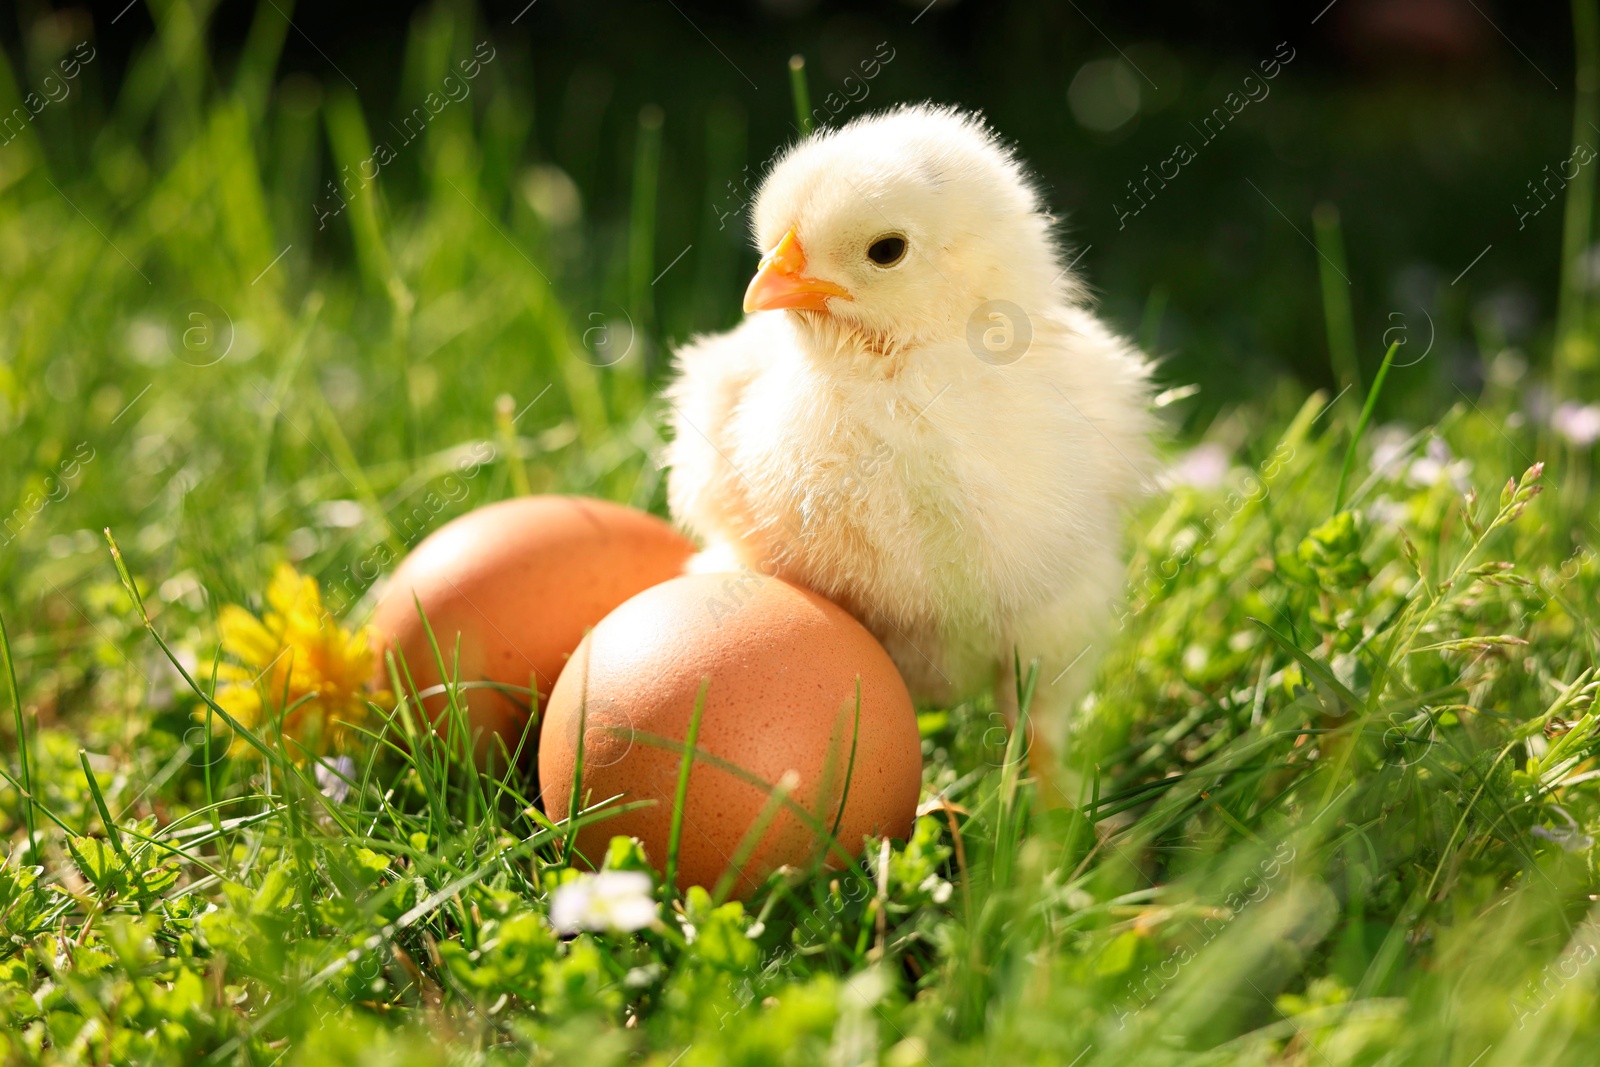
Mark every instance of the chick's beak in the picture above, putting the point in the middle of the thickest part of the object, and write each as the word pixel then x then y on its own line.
pixel 781 281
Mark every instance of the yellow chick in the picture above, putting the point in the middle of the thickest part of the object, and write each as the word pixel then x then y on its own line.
pixel 920 416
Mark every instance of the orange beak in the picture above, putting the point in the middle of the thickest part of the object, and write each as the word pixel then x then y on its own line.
pixel 781 281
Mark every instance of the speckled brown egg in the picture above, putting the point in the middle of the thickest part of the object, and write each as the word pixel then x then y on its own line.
pixel 780 666
pixel 518 583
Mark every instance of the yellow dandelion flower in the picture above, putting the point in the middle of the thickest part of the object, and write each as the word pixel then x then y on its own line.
pixel 297 664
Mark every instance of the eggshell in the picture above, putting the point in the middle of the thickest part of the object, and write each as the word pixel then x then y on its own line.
pixel 518 582
pixel 780 666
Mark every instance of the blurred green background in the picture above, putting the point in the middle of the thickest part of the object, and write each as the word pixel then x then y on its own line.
pixel 260 372
pixel 1423 121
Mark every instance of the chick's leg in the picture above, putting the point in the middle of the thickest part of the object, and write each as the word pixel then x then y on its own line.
pixel 1038 747
pixel 1065 639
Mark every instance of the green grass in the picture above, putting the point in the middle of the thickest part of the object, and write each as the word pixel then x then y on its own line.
pixel 1338 775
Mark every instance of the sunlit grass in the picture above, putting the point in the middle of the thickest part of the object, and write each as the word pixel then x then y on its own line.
pixel 1336 784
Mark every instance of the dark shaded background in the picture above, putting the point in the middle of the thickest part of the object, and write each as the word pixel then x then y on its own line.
pixel 1421 120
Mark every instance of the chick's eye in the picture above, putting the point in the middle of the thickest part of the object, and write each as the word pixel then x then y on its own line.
pixel 887 251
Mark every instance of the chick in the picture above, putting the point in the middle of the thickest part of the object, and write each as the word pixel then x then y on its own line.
pixel 920 417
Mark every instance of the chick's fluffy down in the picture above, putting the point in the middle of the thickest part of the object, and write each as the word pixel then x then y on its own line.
pixel 961 491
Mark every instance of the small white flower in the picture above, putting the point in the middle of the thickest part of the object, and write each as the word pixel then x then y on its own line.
pixel 614 901
pixel 1570 840
pixel 1570 837
pixel 1388 446
pixel 1578 423
pixel 937 888
pixel 1439 465
pixel 1386 512
pixel 1538 403
pixel 1202 467
pixel 333 777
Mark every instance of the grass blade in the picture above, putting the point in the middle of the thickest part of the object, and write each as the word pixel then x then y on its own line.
pixel 1572 346
pixel 802 94
pixel 1318 671
pixel 22 745
pixel 642 219
pixel 1336 312
pixel 144 619
pixel 109 823
pixel 797 809
pixel 1361 426
pixel 680 796
pixel 752 836
pixel 850 767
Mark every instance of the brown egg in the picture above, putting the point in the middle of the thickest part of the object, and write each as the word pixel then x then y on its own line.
pixel 780 666
pixel 518 582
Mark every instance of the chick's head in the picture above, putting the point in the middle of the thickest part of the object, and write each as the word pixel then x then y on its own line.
pixel 898 226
